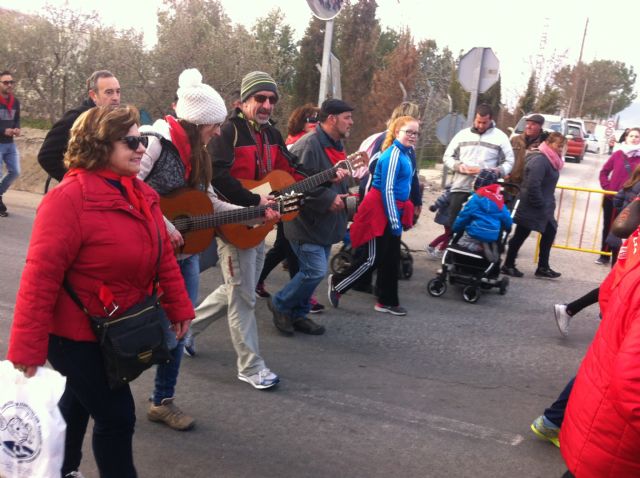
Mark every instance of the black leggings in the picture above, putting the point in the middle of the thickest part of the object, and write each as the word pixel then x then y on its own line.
pixel 280 251
pixel 520 235
pixel 586 300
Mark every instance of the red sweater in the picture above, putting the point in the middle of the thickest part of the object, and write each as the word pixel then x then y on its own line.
pixel 86 229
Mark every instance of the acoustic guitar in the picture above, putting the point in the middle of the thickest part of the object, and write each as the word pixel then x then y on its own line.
pixel 191 212
pixel 280 183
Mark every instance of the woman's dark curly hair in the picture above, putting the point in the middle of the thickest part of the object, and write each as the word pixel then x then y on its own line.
pixel 94 133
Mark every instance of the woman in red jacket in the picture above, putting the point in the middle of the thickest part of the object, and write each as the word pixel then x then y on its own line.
pixel 600 434
pixel 101 230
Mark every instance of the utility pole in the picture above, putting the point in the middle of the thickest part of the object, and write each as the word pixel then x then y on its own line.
pixel 577 72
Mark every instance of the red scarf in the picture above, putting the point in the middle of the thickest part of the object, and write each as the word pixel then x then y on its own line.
pixel 8 102
pixel 135 196
pixel 334 155
pixel 181 142
pixel 293 138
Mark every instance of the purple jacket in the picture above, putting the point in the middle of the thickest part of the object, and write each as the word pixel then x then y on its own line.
pixel 614 173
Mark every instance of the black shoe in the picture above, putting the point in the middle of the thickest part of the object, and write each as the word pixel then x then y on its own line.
pixel 280 320
pixel 261 291
pixel 308 326
pixel 511 271
pixel 3 209
pixel 547 273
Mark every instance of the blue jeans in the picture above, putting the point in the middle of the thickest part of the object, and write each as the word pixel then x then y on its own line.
pixel 167 374
pixel 555 413
pixel 9 155
pixel 88 394
pixel 293 299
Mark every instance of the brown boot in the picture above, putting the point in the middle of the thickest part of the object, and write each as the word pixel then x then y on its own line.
pixel 168 413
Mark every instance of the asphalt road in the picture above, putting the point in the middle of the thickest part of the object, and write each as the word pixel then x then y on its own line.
pixel 447 391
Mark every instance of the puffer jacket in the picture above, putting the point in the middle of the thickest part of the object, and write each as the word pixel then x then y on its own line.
pixel 600 434
pixel 86 230
pixel 484 215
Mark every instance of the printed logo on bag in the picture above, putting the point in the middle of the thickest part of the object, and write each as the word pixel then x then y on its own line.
pixel 20 434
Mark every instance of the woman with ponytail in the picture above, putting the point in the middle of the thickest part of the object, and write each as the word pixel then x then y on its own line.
pixel 384 213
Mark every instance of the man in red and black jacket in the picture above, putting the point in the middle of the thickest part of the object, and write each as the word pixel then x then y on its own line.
pixel 249 147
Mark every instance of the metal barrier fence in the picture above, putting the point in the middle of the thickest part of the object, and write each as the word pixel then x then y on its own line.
pixel 577 229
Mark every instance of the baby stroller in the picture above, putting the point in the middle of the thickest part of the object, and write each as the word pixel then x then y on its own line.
pixel 343 259
pixel 474 271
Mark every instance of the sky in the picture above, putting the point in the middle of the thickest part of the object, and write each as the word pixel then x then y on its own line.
pixel 514 34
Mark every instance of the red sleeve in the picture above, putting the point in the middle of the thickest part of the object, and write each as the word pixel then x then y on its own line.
pixel 55 241
pixel 605 172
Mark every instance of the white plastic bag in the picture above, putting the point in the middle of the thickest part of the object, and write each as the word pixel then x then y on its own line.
pixel 32 430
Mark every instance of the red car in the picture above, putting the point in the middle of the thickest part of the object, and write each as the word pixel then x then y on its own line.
pixel 576 144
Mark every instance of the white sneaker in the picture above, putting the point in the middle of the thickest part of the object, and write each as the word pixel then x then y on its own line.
pixel 265 378
pixel 562 318
pixel 433 253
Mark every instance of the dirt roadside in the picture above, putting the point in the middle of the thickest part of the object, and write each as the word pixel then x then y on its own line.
pixel 32 176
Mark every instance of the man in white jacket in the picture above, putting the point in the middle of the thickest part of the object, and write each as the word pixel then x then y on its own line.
pixel 483 146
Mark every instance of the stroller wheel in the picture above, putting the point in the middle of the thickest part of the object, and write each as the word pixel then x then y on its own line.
pixel 504 284
pixel 436 287
pixel 341 262
pixel 471 294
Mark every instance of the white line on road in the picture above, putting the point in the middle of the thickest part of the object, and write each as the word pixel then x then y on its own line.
pixel 415 417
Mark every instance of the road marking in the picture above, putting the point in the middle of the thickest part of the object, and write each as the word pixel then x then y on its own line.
pixel 445 424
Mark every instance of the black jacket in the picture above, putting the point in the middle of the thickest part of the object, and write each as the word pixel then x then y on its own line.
pixel 537 196
pixel 51 154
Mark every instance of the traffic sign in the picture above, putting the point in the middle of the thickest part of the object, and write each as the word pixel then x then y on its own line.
pixel 447 127
pixel 479 69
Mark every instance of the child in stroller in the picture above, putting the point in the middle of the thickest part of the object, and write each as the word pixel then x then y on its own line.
pixel 472 258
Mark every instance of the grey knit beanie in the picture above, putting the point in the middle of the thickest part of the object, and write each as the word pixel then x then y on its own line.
pixel 257 81
pixel 198 103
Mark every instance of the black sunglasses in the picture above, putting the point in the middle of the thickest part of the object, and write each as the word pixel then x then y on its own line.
pixel 262 98
pixel 312 119
pixel 8 82
pixel 133 142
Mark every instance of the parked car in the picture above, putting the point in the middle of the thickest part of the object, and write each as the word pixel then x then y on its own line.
pixel 593 144
pixel 576 144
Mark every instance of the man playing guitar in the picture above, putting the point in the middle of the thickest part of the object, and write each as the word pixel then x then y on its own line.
pixel 248 148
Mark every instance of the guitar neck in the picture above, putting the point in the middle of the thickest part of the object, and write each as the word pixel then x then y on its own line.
pixel 210 221
pixel 311 182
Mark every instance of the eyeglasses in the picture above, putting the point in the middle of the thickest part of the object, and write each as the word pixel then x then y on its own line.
pixel 410 132
pixel 312 119
pixel 8 82
pixel 134 142
pixel 263 98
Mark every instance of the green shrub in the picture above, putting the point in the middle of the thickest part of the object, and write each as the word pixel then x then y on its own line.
pixel 37 123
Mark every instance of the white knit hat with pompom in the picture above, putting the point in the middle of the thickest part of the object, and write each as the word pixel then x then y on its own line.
pixel 198 103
